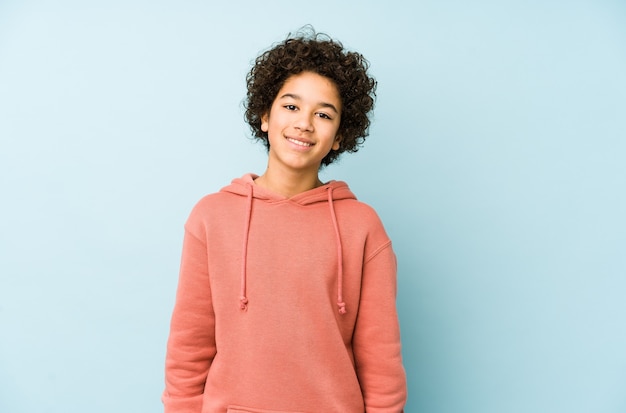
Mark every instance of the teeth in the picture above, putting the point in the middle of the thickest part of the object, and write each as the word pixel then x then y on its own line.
pixel 299 142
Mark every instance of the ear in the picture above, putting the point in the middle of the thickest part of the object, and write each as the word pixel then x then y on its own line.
pixel 336 143
pixel 265 125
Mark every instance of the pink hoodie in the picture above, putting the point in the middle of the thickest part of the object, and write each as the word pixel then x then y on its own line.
pixel 285 305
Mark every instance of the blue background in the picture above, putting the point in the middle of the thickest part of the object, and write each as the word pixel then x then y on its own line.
pixel 496 160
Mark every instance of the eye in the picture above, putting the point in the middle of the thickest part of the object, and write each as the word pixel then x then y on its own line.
pixel 324 116
pixel 290 107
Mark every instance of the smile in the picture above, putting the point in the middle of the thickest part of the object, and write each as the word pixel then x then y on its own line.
pixel 297 142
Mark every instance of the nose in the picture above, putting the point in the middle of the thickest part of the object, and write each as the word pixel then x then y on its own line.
pixel 304 122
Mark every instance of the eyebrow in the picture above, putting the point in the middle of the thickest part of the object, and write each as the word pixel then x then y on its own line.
pixel 322 104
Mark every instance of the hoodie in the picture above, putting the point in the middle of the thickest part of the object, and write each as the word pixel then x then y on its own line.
pixel 284 305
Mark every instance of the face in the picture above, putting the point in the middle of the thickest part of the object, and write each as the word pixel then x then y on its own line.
pixel 303 122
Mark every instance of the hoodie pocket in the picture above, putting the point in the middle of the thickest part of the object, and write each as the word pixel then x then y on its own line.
pixel 242 409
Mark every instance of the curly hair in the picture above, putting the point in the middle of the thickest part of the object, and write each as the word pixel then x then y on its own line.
pixel 308 51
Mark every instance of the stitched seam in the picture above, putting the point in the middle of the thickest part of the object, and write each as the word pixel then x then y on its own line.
pixel 378 250
pixel 188 231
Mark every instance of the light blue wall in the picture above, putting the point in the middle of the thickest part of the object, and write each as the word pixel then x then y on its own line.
pixel 497 161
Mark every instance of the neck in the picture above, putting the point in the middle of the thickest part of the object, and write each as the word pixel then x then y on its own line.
pixel 288 183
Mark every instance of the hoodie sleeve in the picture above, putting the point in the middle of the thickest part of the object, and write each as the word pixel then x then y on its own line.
pixel 191 343
pixel 376 340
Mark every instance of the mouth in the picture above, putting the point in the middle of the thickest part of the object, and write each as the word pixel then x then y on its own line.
pixel 300 143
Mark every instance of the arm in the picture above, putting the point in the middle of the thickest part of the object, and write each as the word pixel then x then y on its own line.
pixel 376 340
pixel 191 344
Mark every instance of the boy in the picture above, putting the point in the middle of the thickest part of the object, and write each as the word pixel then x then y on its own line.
pixel 286 295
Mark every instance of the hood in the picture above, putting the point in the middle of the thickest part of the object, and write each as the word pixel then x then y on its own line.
pixel 242 186
pixel 329 192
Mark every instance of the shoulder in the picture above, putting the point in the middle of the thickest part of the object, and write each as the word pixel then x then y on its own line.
pixel 211 207
pixel 211 201
pixel 359 210
pixel 346 201
pixel 360 218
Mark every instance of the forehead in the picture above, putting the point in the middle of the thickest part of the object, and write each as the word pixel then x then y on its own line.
pixel 311 87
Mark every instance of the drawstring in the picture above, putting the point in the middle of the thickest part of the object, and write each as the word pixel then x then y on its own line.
pixel 340 302
pixel 243 300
